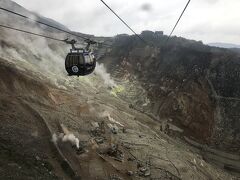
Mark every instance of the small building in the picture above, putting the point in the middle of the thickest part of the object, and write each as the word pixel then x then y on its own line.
pixel 147 33
pixel 158 33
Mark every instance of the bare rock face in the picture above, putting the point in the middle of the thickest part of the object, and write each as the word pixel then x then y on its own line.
pixel 194 85
pixel 224 75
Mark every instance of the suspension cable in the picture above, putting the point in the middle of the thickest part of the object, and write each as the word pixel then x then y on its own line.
pixel 123 21
pixel 28 32
pixel 178 20
pixel 135 32
pixel 54 27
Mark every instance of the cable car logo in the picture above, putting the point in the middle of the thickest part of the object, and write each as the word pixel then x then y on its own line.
pixel 75 69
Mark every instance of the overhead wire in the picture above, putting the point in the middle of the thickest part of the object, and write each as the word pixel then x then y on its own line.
pixel 51 26
pixel 32 33
pixel 123 21
pixel 135 32
pixel 178 20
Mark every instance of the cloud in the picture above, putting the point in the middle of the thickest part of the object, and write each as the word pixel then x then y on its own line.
pixel 146 7
pixel 102 72
pixel 210 1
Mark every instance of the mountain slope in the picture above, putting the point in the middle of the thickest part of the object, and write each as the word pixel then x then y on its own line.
pixel 33 110
pixel 11 5
pixel 186 84
pixel 224 45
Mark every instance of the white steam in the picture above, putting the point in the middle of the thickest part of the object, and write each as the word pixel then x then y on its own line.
pixel 72 139
pixel 66 138
pixel 107 114
pixel 39 55
pixel 54 138
pixel 101 71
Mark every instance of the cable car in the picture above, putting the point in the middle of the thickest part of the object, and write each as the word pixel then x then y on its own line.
pixel 80 61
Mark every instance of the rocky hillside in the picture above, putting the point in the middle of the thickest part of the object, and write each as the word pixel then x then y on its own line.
pixel 184 83
pixel 59 127
pixel 78 130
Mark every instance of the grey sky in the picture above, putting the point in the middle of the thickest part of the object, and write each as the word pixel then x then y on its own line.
pixel 206 20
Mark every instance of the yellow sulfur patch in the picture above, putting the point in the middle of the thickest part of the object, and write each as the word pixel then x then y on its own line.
pixel 116 90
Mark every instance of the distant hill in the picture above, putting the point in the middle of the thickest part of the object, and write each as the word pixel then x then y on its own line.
pixel 11 5
pixel 51 22
pixel 224 45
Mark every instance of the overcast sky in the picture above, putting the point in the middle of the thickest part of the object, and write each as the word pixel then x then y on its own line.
pixel 206 20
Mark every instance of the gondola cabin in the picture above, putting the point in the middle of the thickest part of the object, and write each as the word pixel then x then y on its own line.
pixel 80 63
